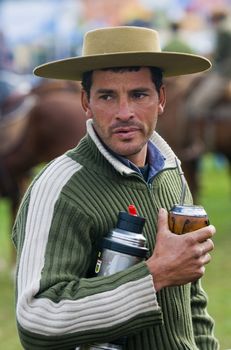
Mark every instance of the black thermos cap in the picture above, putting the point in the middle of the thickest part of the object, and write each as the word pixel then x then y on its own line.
pixel 130 223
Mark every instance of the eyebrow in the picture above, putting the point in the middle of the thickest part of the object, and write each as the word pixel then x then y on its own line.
pixel 104 91
pixel 141 89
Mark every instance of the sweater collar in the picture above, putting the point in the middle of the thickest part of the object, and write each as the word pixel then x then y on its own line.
pixel 156 139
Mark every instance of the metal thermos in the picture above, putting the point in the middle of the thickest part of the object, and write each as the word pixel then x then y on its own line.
pixel 123 247
pixel 105 346
pixel 184 218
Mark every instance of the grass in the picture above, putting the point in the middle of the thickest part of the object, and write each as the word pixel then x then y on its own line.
pixel 215 196
pixel 8 333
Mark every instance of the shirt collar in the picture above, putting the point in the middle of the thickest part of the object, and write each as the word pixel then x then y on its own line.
pixel 155 161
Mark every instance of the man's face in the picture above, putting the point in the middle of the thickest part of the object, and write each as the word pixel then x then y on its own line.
pixel 124 106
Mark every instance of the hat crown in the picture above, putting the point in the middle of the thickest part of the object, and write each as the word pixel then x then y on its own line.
pixel 112 40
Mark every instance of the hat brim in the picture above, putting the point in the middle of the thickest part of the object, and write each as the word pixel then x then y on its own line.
pixel 171 63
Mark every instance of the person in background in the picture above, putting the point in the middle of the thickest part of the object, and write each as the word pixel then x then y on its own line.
pixel 215 85
pixel 176 43
pixel 75 200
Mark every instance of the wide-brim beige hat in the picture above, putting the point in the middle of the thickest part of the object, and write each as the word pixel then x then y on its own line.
pixel 122 47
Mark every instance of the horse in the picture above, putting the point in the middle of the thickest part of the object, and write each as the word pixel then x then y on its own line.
pixel 47 121
pixel 191 138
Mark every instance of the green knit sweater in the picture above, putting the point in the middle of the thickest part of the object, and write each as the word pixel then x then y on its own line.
pixel 69 207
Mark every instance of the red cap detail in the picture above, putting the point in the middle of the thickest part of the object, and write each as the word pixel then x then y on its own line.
pixel 132 210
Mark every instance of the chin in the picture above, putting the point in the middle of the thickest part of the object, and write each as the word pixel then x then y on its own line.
pixel 128 152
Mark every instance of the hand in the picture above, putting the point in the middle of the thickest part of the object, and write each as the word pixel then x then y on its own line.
pixel 179 259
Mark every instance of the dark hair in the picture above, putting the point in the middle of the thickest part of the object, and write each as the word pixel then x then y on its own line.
pixel 156 73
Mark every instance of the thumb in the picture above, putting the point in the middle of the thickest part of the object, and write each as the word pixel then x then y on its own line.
pixel 162 223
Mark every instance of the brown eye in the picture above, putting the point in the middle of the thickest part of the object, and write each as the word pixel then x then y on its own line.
pixel 139 95
pixel 105 97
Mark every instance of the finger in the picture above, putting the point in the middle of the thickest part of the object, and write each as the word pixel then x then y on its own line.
pixel 201 249
pixel 204 233
pixel 162 223
pixel 207 259
pixel 208 246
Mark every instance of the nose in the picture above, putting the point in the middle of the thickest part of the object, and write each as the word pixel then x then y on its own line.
pixel 125 109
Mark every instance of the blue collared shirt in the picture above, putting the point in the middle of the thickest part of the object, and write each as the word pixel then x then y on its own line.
pixel 155 162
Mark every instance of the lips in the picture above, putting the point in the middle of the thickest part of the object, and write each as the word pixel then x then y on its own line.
pixel 125 129
pixel 126 132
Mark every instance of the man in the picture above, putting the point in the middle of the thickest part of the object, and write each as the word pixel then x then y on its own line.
pixel 75 201
pixel 176 42
pixel 203 103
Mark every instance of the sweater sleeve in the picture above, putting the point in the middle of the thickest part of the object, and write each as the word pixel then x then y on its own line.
pixel 203 324
pixel 57 306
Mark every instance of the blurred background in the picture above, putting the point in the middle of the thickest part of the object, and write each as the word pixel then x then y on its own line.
pixel 33 32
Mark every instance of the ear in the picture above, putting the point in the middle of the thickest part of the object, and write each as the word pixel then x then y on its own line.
pixel 162 100
pixel 85 104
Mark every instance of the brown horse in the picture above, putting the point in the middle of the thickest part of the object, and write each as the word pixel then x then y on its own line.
pixel 36 132
pixel 192 138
